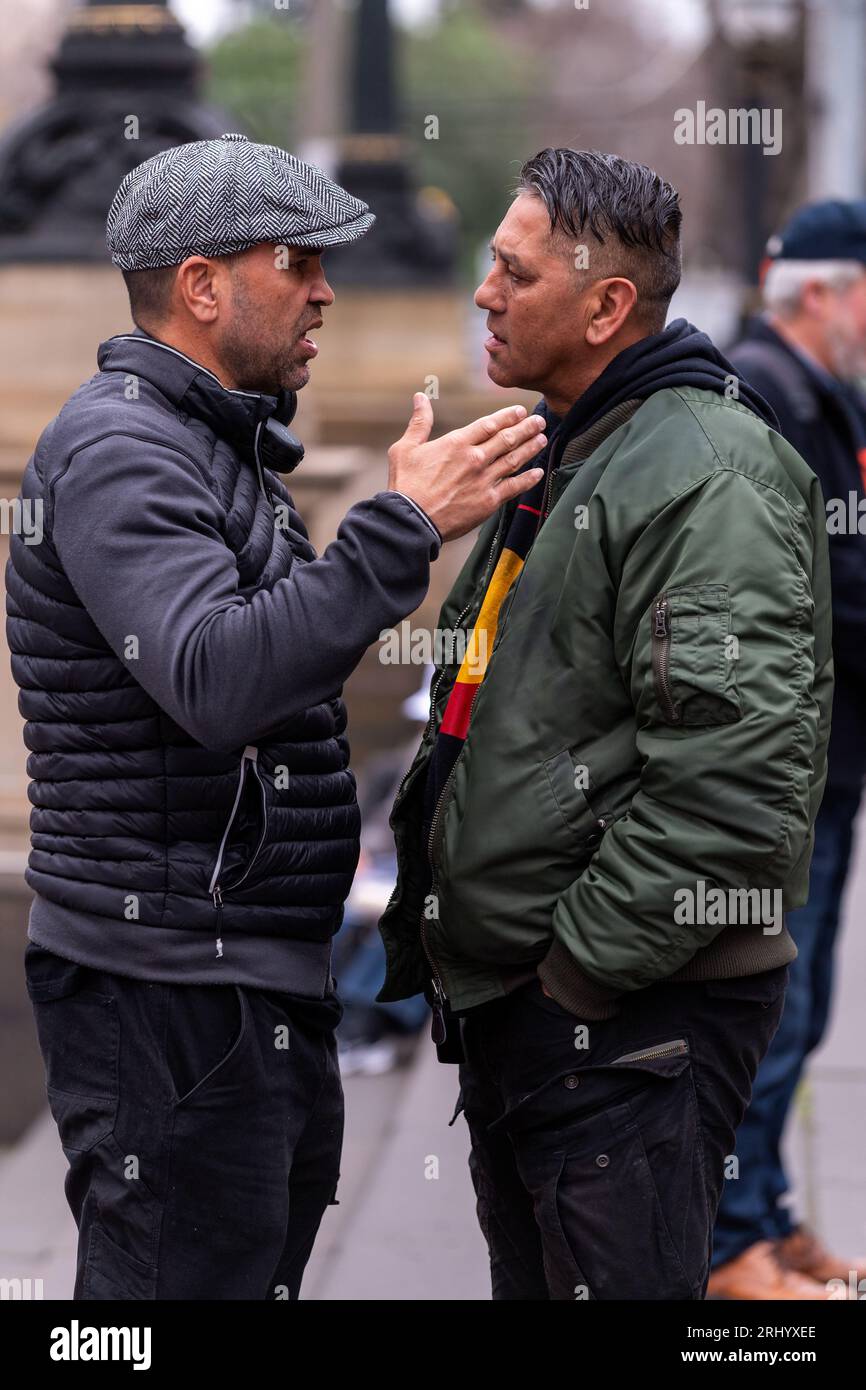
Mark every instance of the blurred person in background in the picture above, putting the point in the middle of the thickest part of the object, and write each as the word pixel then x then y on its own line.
pixel 806 355
pixel 610 751
pixel 181 651
pixel 374 1038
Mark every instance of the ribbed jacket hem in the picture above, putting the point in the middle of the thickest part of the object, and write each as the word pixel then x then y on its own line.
pixel 735 952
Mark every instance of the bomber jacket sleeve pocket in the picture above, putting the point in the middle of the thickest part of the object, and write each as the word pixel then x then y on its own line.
pixel 694 656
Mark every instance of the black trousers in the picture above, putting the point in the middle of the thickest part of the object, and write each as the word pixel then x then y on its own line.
pixel 598 1156
pixel 202 1124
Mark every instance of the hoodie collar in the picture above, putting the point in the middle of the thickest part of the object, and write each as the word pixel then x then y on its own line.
pixel 678 356
pixel 232 415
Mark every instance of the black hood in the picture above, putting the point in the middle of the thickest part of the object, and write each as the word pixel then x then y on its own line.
pixel 678 356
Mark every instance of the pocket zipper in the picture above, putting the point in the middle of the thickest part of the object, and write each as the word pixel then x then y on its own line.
pixel 674 1048
pixel 215 888
pixel 661 657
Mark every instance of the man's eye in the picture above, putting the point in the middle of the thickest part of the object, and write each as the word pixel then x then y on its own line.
pixel 512 274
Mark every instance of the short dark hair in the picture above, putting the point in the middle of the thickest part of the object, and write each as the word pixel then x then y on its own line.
pixel 619 202
pixel 149 294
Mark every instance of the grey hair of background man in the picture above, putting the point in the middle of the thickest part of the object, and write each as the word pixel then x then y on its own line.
pixel 785 282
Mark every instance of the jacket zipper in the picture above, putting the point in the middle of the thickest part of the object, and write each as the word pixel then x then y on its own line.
pixel 435 686
pixel 433 690
pixel 405 779
pixel 437 682
pixel 215 888
pixel 548 489
pixel 661 657
pixel 438 1030
pixel 668 1049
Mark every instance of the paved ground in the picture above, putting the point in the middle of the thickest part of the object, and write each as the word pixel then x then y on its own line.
pixel 401 1233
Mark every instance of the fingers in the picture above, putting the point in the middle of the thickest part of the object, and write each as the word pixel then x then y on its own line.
pixel 512 487
pixel 489 425
pixel 507 440
pixel 420 421
pixel 516 458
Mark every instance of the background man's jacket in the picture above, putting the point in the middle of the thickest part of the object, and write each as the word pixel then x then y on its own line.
pixel 825 420
pixel 621 748
pixel 180 652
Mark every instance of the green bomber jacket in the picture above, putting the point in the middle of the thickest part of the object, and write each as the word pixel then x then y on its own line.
pixel 647 752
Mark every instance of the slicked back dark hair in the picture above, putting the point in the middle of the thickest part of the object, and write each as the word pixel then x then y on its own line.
pixel 629 210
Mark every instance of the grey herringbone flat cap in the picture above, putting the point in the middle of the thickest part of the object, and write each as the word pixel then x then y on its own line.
pixel 212 197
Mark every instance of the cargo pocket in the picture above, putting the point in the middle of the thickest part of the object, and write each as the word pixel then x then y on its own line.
pixel 111 1273
pixel 79 1038
pixel 618 1177
pixel 693 666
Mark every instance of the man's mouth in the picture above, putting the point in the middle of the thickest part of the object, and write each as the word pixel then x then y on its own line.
pixel 494 341
pixel 309 344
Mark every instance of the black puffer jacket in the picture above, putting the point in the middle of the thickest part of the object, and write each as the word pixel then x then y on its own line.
pixel 180 651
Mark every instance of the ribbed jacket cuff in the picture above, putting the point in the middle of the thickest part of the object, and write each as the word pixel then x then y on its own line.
pixel 572 989
pixel 421 512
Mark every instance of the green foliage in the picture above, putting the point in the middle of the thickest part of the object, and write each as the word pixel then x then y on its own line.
pixel 253 74
pixel 482 87
pixel 478 83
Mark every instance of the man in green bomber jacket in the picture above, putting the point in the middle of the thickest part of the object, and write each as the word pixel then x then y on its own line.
pixel 613 801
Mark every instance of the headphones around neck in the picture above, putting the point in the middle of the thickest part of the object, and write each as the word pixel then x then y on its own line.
pixel 280 449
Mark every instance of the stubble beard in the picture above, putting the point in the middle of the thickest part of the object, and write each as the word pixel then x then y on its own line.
pixel 261 366
pixel 259 358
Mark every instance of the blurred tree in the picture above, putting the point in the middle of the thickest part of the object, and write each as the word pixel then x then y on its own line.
pixel 480 86
pixel 254 71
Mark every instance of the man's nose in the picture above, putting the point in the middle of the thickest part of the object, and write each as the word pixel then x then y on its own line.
pixel 322 292
pixel 486 296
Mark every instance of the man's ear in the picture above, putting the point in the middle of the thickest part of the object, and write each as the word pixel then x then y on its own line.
pixel 815 299
pixel 198 287
pixel 611 302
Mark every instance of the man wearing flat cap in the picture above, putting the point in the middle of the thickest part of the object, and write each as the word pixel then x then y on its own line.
pixel 181 650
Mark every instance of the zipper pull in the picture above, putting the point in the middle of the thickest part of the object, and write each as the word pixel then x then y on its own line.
pixel 218 904
pixel 438 1031
pixel 661 626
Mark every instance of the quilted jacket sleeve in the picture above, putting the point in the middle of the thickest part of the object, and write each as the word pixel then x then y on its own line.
pixel 141 537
